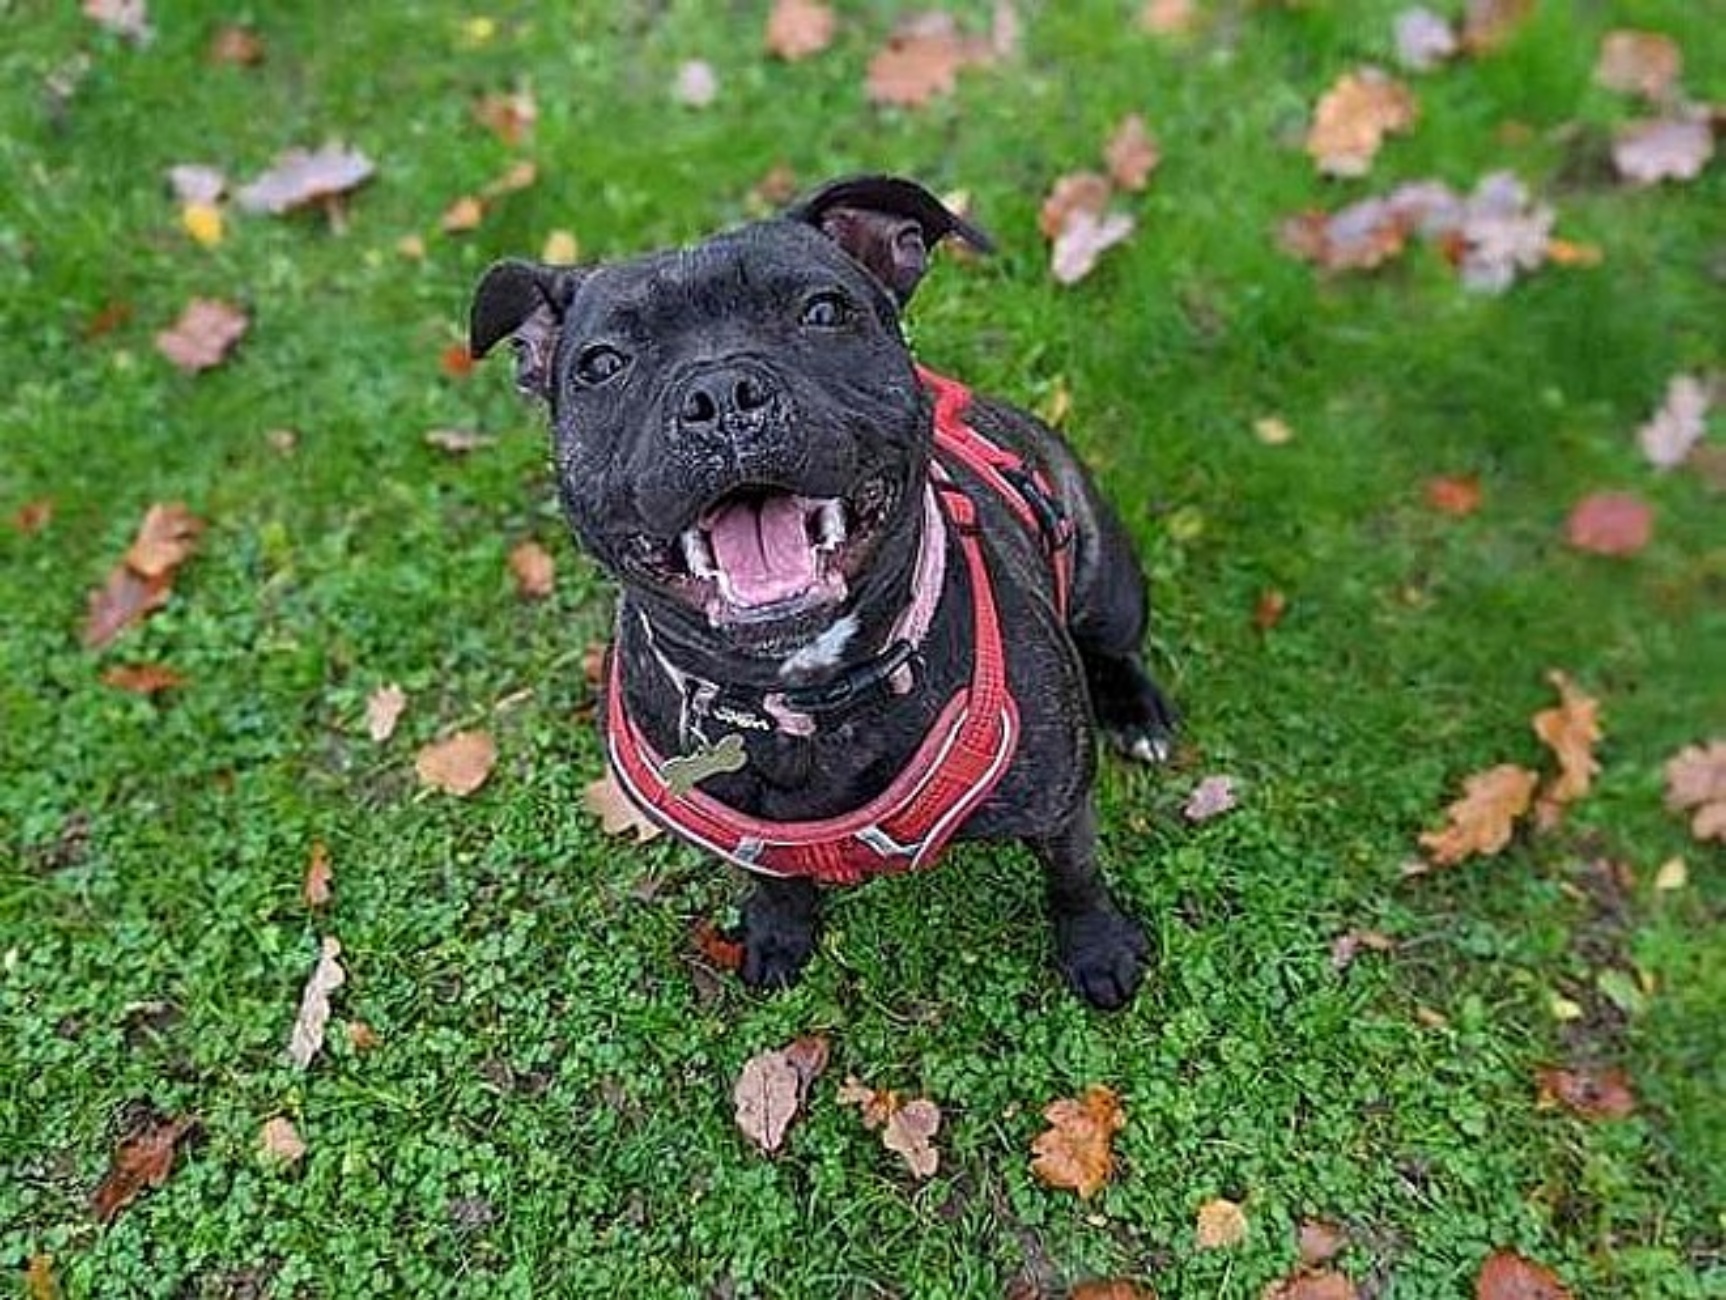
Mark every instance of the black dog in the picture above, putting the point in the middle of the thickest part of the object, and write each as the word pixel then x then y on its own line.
pixel 863 610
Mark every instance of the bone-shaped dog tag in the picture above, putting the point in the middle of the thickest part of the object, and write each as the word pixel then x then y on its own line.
pixel 686 771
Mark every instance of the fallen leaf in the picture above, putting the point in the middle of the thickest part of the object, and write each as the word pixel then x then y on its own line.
pixel 1075 1152
pixel 166 538
pixel 1319 1241
pixel 616 811
pixel 1345 947
pixel 1132 153
pixel 1073 193
pixel 1220 1223
pixel 237 45
pixel 1502 231
pixel 383 710
pixel 720 951
pixel 1083 240
pixel 797 29
pixel 140 584
pixel 307 1038
pixel 1696 783
pixel 1673 874
pixel 465 214
pixel 33 516
pixel 922 60
pixel 361 1036
pixel 458 442
pixel 110 317
pixel 1211 797
pixel 300 177
pixel 1321 1285
pixel 457 764
pixel 39 1280
pixel 1168 17
pixel 1639 63
pixel 510 117
pixel 1423 39
pixel 197 183
pixel 456 361
pixel 1488 24
pixel 202 223
pixel 1667 439
pixel 772 1088
pixel 124 599
pixel 1505 1275
pixel 127 18
pixel 1663 149
pixel 1610 523
pixel 1457 494
pixel 593 662
pixel 1352 119
pixel 561 248
pixel 907 1127
pixel 143 1159
pixel 315 889
pixel 697 84
pixel 1570 731
pixel 519 175
pixel 534 569
pixel 1273 431
pixel 1481 822
pixel 411 247
pixel 1269 609
pixel 202 337
pixel 1591 1093
pixel 281 1142
pixel 142 679
pixel 1567 252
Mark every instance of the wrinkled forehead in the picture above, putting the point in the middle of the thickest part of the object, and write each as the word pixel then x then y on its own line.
pixel 765 267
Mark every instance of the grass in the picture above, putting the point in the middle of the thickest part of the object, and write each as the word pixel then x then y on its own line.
pixel 548 1112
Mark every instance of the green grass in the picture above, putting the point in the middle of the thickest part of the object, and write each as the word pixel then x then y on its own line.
pixel 549 1111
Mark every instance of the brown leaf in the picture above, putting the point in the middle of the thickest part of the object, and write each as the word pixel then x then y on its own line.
pixel 1610 523
pixel 307 1038
pixel 720 951
pixel 1423 39
pixel 922 60
pixel 1663 149
pixel 1505 1275
pixel 1132 153
pixel 1639 63
pixel 1269 609
pixel 1456 494
pixel 458 442
pixel 1570 731
pixel 127 18
pixel 593 662
pixel 280 1141
pixel 315 889
pixel 383 710
pixel 797 29
pixel 521 174
pixel 33 516
pixel 1076 192
pixel 1083 240
pixel 361 1036
pixel 1220 1223
pixel 124 599
pixel 202 337
pixel 143 1160
pixel 142 679
pixel 1320 1241
pixel 1211 797
pixel 1114 1288
pixel 907 1127
pixel 110 317
pixel 463 215
pixel 165 540
pixel 616 811
pixel 1321 1285
pixel 39 1280
pixel 1696 780
pixel 238 45
pixel 1678 425
pixel 1591 1093
pixel 1168 17
pixel 1488 24
pixel 1481 822
pixel 770 1091
pixel 534 569
pixel 1343 950
pixel 510 117
pixel 1353 118
pixel 457 764
pixel 1075 1151
pixel 300 177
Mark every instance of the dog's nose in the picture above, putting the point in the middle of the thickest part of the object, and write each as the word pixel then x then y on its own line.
pixel 720 397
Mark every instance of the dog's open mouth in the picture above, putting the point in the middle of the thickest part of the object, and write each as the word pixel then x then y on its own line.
pixel 760 554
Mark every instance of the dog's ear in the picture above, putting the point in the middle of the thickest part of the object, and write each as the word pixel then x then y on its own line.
pixel 888 224
pixel 523 302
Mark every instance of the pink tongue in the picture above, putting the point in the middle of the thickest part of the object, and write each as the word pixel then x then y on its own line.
pixel 763 549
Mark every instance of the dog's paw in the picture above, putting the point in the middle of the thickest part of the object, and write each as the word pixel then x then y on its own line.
pixel 1136 717
pixel 1151 744
pixel 778 942
pixel 1101 954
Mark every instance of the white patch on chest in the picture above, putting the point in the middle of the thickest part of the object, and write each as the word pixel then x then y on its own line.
pixel 823 651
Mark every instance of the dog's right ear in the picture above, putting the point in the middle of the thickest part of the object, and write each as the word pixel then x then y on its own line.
pixel 523 302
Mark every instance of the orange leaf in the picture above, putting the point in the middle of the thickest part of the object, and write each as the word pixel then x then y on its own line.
pixel 33 516
pixel 534 569
pixel 1570 731
pixel 142 679
pixel 123 600
pixel 1220 1223
pixel 907 1127
pixel 1590 1093
pixel 456 361
pixel 617 813
pixel 720 951
pixel 361 1036
pixel 165 539
pixel 457 764
pixel 1168 17
pixel 143 1160
pixel 1352 119
pixel 1506 1275
pixel 1610 523
pixel 1132 153
pixel 1454 494
pixel 1269 609
pixel 509 117
pixel 1481 821
pixel 463 215
pixel 1075 1151
pixel 797 29
pixel 316 887
pixel 922 60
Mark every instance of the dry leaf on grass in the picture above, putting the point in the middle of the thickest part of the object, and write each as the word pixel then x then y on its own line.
pixel 1083 240
pixel 1132 153
pixel 1168 17
pixel 39 1280
pixel 1323 1284
pixel 534 569
pixel 561 248
pixel 923 57
pixel 280 1141
pixel 1639 63
pixel 143 1159
pixel 1663 149
pixel 465 214
pixel 1505 1275
pixel 1220 1223
pixel 300 177
pixel 1668 437
pixel 1488 24
pixel 142 679
pixel 907 1127
pixel 127 18
pixel 165 540
pixel 383 710
pixel 307 1038
pixel 1352 119
pixel 458 442
pixel 361 1036
pixel 457 764
pixel 797 29
pixel 1211 797
pixel 696 85
pixel 616 811
pixel 1273 431
pixel 772 1088
pixel 143 580
pixel 197 183
pixel 1076 1151
pixel 1423 39
pixel 1269 609
pixel 1591 1093
pixel 1319 1241
pixel 1347 946
pixel 33 516
pixel 1482 821
pixel 202 337
pixel 509 116
pixel 718 949
pixel 232 44
pixel 1696 783
pixel 315 888
pixel 1457 494
pixel 1610 523
pixel 122 600
pixel 1570 731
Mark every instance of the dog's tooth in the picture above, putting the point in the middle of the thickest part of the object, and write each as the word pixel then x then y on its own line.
pixel 830 523
pixel 697 554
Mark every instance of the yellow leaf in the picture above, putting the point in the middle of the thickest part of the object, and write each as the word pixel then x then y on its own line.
pixel 203 222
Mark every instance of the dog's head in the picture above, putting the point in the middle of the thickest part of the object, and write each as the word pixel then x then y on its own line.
pixel 736 426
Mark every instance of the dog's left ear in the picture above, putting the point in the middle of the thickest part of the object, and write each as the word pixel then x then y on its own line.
pixel 523 302
pixel 888 224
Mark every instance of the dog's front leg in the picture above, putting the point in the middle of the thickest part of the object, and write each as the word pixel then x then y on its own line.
pixel 780 916
pixel 1100 950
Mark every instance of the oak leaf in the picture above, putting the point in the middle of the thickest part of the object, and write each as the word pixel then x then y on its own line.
pixel 1591 1093
pixel 772 1088
pixel 306 1039
pixel 143 1159
pixel 1696 783
pixel 383 710
pixel 204 334
pixel 1505 1275
pixel 1220 1223
pixel 300 177
pixel 923 57
pixel 1132 153
pixel 1571 732
pixel 458 764
pixel 1481 822
pixel 142 679
pixel 797 29
pixel 1639 63
pixel 907 1127
pixel 534 569
pixel 165 540
pixel 1076 1150
pixel 1610 523
pixel 1663 149
pixel 1668 437
pixel 1352 119
pixel 617 812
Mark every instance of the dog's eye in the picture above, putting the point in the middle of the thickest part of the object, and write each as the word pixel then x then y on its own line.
pixel 599 363
pixel 826 311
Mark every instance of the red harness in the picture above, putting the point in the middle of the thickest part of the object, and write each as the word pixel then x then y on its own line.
pixel 965 752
